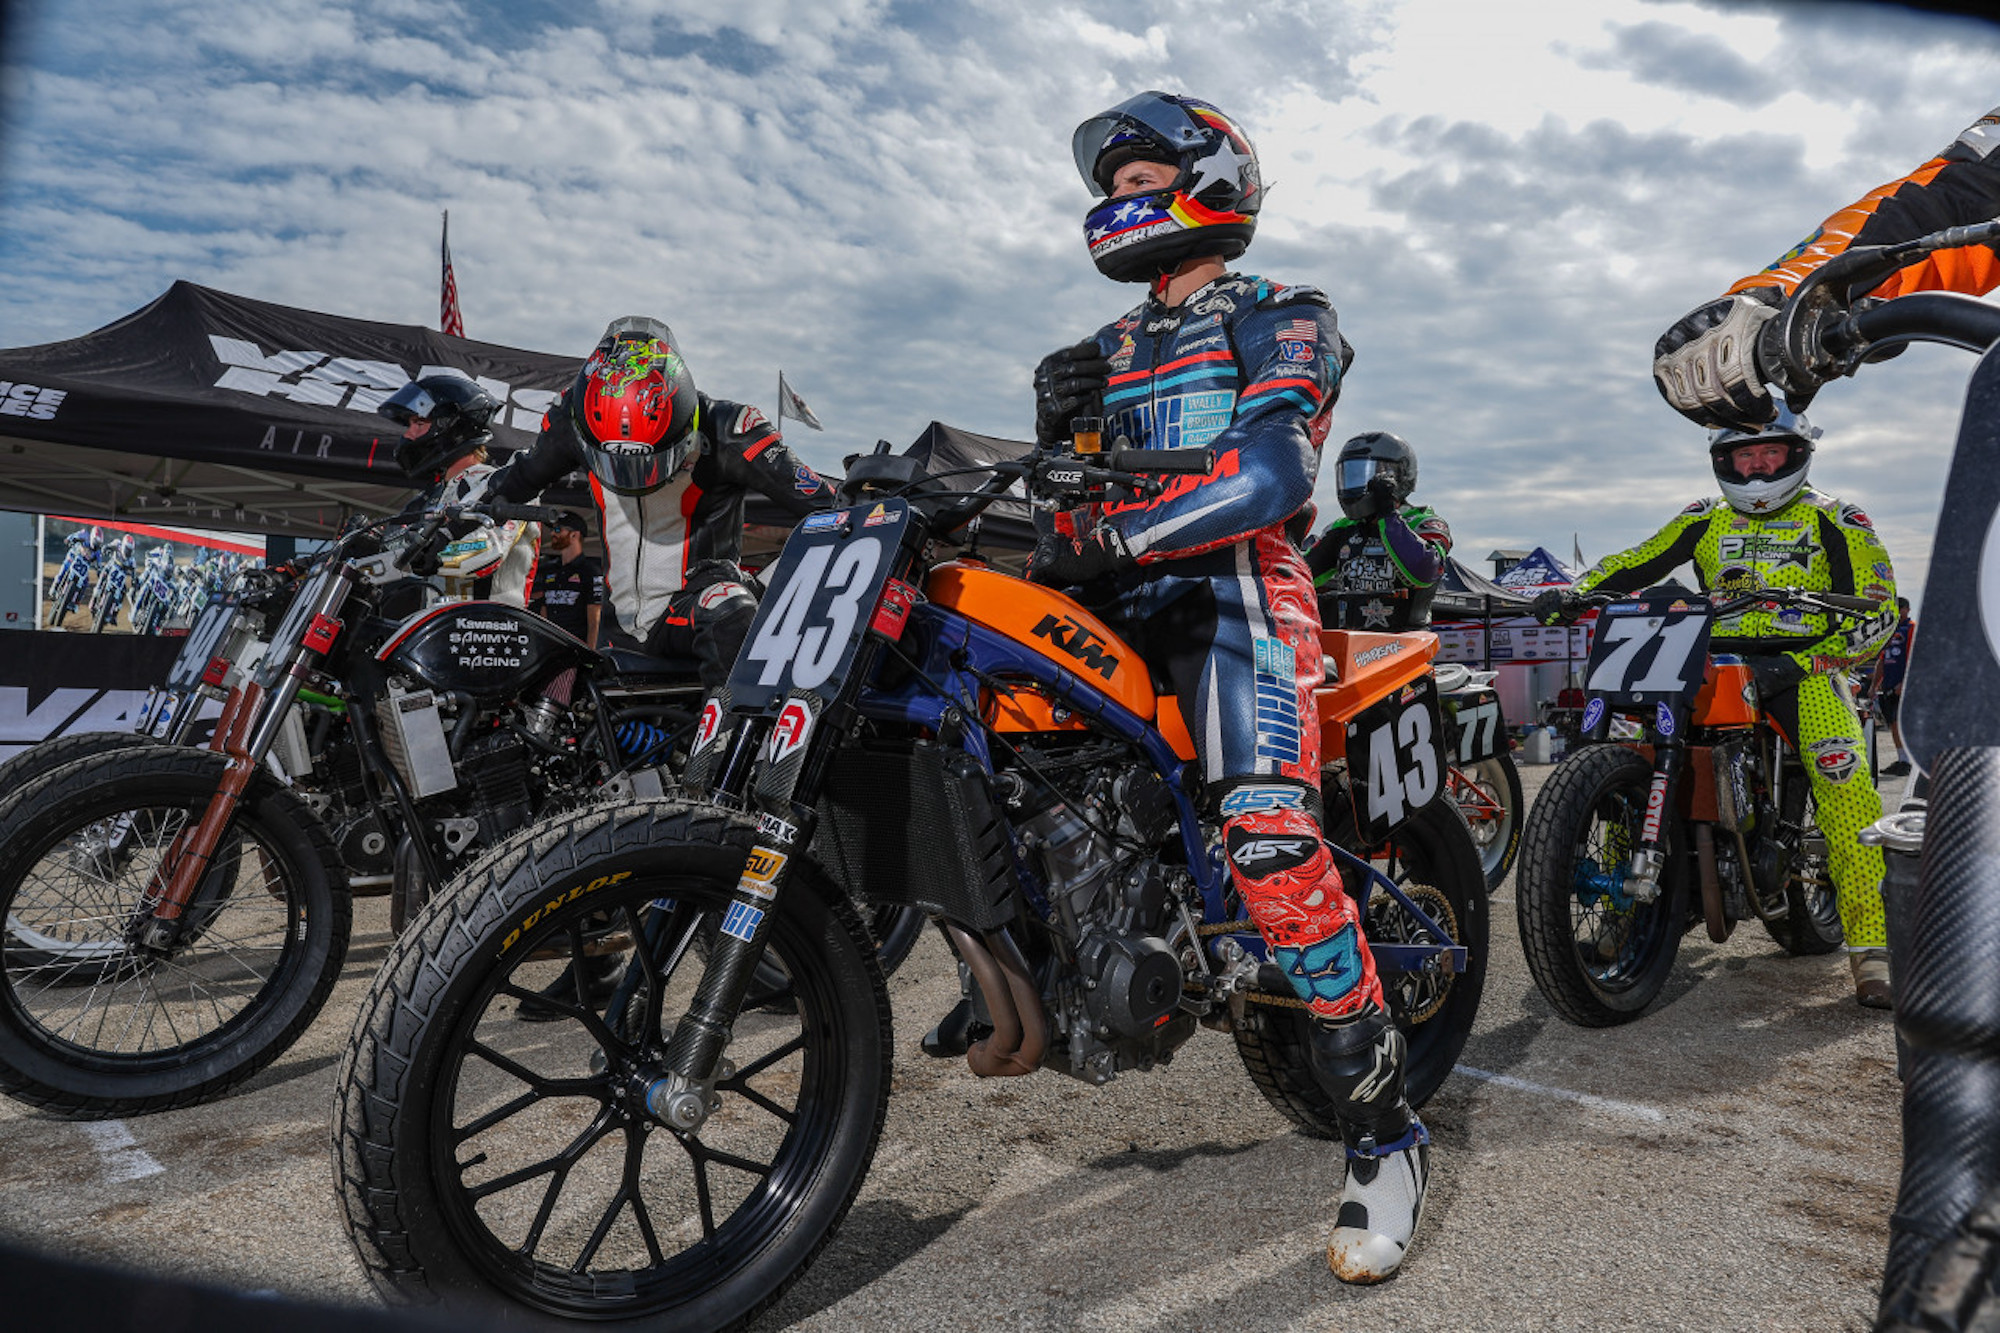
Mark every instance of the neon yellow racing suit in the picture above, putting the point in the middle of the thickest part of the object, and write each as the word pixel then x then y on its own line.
pixel 1819 544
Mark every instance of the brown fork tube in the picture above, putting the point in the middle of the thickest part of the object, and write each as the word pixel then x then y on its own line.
pixel 188 859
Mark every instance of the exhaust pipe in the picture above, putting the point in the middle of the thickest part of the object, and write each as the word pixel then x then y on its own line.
pixel 1020 1028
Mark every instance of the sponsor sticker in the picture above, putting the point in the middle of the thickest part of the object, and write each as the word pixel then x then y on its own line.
pixel 877 516
pixel 1250 800
pixel 820 522
pixel 741 921
pixel 750 419
pixel 777 830
pixel 806 481
pixel 1593 713
pixel 788 733
pixel 710 724
pixel 760 870
pixel 1295 353
pixel 1663 718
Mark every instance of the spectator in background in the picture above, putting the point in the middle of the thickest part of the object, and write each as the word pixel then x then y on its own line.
pixel 569 586
pixel 1887 687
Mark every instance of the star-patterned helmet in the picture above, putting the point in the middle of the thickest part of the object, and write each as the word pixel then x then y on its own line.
pixel 1764 493
pixel 1211 207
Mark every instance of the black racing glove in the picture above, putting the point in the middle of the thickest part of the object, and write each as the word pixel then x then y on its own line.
pixel 1706 363
pixel 1557 606
pixel 1776 674
pixel 1062 562
pixel 1068 384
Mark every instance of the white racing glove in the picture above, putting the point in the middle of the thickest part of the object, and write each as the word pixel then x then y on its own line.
pixel 1706 363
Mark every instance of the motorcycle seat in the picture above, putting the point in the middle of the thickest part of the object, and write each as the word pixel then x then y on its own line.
pixel 631 664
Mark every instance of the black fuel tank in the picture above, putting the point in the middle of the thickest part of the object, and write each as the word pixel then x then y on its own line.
pixel 488 650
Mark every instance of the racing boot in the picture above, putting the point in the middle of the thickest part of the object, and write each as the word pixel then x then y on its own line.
pixel 1359 1061
pixel 1381 1203
pixel 1871 978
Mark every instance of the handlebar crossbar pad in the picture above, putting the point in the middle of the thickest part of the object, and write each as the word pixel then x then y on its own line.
pixel 1191 462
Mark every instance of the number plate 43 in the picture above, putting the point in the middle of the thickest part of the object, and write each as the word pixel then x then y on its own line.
pixel 1395 761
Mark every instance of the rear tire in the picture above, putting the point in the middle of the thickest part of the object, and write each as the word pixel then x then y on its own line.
pixel 1812 910
pixel 1435 851
pixel 1584 824
pixel 700 1229
pixel 91 1026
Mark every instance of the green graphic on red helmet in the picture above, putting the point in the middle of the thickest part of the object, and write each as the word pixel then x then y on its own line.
pixel 635 408
pixel 1210 206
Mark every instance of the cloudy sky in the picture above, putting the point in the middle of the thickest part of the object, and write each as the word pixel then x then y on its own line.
pixel 1507 203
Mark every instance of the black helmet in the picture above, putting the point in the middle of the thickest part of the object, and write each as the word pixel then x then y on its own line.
pixel 460 413
pixel 1764 494
pixel 1211 207
pixel 1366 457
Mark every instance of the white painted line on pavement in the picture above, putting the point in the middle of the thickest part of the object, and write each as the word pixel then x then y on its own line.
pixel 123 1158
pixel 1629 1110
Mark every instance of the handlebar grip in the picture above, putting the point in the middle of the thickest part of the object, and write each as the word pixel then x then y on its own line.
pixel 1191 462
pixel 1846 603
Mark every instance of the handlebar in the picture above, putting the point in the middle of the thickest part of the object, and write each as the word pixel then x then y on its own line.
pixel 1166 462
pixel 1837 603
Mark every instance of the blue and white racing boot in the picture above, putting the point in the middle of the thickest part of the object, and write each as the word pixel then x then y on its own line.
pixel 1380 1205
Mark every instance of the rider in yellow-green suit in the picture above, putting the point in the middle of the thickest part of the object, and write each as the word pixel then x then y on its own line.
pixel 1771 530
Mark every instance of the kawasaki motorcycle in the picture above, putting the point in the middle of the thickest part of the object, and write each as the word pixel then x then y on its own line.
pixel 108 602
pixel 175 916
pixel 1699 814
pixel 914 732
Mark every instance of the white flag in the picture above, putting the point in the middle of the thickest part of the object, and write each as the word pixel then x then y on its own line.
pixel 790 404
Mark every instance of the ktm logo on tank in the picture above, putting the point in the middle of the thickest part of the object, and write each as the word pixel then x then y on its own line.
pixel 1079 642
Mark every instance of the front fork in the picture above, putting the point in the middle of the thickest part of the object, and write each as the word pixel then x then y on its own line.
pixel 1649 859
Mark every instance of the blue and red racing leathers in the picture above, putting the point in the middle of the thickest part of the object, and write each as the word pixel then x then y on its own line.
pixel 1222 603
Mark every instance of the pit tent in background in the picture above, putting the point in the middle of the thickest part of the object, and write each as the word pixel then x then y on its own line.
pixel 215 410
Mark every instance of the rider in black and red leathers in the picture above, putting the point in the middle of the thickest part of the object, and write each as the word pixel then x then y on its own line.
pixel 670 469
pixel 1208 586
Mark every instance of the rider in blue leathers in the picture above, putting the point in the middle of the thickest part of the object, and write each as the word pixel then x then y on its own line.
pixel 1209 587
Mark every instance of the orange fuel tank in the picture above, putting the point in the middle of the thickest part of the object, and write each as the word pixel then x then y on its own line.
pixel 1049 623
pixel 1728 697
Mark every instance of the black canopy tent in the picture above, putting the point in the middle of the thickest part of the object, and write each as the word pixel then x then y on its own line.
pixel 205 408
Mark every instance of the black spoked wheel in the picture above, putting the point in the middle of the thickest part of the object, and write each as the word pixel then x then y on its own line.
pixel 92 1025
pixel 1598 954
pixel 1489 795
pixel 51 755
pixel 1433 860
pixel 479 1156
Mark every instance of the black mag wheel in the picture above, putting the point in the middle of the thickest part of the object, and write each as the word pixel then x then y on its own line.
pixel 478 1156
pixel 1489 793
pixel 94 1026
pixel 1433 860
pixel 1597 954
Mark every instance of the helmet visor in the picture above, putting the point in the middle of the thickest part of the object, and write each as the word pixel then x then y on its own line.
pixel 638 327
pixel 631 468
pixel 407 404
pixel 1152 115
pixel 1353 474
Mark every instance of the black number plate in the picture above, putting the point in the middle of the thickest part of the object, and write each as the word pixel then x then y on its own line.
pixel 1395 764
pixel 1650 649
pixel 821 594
pixel 1474 728
pixel 204 637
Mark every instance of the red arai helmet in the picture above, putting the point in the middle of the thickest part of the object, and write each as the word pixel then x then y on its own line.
pixel 635 409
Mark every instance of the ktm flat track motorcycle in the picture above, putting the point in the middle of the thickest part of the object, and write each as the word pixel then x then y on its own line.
pixel 938 735
pixel 1704 817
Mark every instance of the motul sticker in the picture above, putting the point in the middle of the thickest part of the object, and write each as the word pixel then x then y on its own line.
pixel 788 733
pixel 1656 804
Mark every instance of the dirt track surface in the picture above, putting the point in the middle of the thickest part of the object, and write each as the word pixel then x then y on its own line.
pixel 1727 1162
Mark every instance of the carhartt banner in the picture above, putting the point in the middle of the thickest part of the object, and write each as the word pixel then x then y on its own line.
pixel 176 412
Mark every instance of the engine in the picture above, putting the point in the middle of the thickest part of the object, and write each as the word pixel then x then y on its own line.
pixel 1118 1006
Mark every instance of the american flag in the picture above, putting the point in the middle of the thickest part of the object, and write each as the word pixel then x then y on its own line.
pixel 448 317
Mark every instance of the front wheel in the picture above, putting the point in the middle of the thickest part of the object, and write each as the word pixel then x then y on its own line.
pixel 1433 860
pixel 1489 794
pixel 1598 954
pixel 480 1157
pixel 92 1025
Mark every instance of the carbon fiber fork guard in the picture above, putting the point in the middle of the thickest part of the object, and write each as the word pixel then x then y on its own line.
pixel 1944 941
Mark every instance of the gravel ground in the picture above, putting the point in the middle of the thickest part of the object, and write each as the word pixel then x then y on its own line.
pixel 1727 1162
